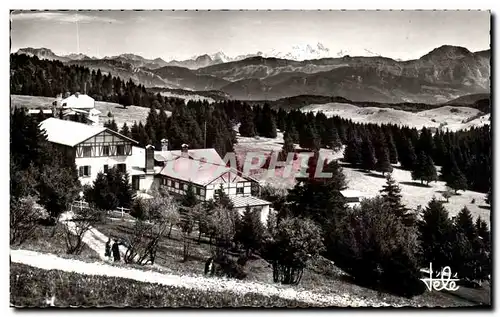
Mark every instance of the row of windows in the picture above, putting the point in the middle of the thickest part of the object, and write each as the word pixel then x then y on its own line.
pixel 105 150
pixel 85 171
pixel 198 190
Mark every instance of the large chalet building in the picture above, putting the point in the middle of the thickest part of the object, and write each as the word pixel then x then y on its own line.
pixel 96 149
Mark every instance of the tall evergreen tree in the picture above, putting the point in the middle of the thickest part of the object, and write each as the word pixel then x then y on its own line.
pixel 288 147
pixel 251 231
pixel 367 155
pixel 424 169
pixel 292 132
pixel 247 127
pixel 456 179
pixel 308 137
pixel 268 122
pixel 436 235
pixel 352 152
pixel 407 155
pixel 125 130
pixel 393 152
pixel 391 193
pixel 383 164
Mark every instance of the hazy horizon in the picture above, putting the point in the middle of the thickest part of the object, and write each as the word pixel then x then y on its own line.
pixel 181 35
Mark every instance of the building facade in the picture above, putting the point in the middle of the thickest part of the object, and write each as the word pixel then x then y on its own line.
pixel 95 149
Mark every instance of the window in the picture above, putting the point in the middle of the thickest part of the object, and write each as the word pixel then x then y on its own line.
pixel 198 191
pixel 176 185
pixel 87 151
pixel 239 191
pixel 185 186
pixel 121 168
pixel 105 150
pixel 120 150
pixel 84 171
pixel 106 167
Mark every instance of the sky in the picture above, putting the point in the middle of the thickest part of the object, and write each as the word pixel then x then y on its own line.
pixel 183 34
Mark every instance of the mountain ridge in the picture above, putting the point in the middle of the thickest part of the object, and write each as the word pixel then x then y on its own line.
pixel 445 73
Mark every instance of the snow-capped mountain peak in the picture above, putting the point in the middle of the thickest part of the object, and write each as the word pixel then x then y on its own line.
pixel 302 52
pixel 220 56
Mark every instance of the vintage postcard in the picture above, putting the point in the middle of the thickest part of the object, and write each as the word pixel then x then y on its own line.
pixel 250 158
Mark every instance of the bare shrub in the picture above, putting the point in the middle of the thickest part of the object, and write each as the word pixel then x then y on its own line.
pixel 76 228
pixel 23 220
pixel 162 214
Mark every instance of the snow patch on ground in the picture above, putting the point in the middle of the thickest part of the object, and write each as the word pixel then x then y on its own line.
pixel 414 194
pixel 447 117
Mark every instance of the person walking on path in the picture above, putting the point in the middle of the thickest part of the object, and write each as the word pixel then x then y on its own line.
pixel 107 251
pixel 116 251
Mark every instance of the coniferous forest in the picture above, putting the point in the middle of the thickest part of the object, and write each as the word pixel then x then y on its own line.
pixel 466 156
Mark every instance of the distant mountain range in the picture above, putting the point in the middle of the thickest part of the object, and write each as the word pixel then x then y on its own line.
pixel 443 74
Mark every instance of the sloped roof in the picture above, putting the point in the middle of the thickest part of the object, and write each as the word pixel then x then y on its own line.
pixel 209 155
pixel 81 101
pixel 71 133
pixel 68 133
pixel 243 201
pixel 351 193
pixel 190 170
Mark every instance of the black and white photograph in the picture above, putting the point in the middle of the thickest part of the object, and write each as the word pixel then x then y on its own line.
pixel 250 158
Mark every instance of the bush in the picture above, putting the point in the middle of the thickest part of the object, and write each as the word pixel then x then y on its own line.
pixel 295 241
pixel 378 249
pixel 23 219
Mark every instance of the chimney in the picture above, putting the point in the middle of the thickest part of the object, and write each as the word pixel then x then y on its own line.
pixel 150 162
pixel 164 145
pixel 184 150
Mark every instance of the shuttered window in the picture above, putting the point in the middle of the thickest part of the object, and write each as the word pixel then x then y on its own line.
pixel 84 171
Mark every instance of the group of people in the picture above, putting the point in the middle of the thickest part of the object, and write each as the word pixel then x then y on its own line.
pixel 112 248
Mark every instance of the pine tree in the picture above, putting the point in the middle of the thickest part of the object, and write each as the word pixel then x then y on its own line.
pixel 308 138
pixel 250 232
pixel 367 155
pixel 436 235
pixel 407 155
pixel 247 127
pixel 424 169
pixel 189 199
pixel 134 131
pixel 352 152
pixel 383 164
pixel 125 130
pixel 488 197
pixel 391 193
pixel 425 142
pixel 292 132
pixel 288 147
pixel 142 135
pixel 465 224
pixel 456 179
pixel 330 136
pixel 393 152
pixel 162 126
pixel 268 121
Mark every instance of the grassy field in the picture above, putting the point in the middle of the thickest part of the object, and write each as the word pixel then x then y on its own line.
pixel 321 275
pixel 45 240
pixel 30 287
pixel 414 194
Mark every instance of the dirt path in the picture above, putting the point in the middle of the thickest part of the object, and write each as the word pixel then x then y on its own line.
pixel 95 239
pixel 52 262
